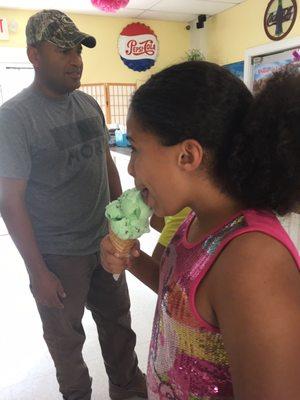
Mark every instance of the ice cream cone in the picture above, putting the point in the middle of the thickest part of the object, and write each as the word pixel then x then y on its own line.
pixel 122 246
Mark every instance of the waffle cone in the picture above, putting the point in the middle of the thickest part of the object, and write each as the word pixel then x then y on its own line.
pixel 122 246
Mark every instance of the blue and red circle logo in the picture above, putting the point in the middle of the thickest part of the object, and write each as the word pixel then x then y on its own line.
pixel 138 46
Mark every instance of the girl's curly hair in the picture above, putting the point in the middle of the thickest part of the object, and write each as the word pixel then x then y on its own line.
pixel 253 144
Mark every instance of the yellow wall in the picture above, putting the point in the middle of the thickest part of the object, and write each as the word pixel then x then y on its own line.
pixel 232 32
pixel 227 36
pixel 103 64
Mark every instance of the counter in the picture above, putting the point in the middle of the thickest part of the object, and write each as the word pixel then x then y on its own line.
pixel 121 156
pixel 123 151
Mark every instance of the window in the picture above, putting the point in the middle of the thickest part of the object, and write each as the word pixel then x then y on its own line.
pixel 97 91
pixel 119 96
pixel 14 78
pixel 113 98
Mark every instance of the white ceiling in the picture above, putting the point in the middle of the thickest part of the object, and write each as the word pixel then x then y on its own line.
pixel 173 10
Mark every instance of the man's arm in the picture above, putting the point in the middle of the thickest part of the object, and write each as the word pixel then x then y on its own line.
pixel 46 287
pixel 113 177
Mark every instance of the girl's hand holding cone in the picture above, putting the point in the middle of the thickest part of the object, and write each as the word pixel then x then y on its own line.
pixel 115 261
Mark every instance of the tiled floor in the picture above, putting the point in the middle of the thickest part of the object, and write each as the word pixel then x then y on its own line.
pixel 26 369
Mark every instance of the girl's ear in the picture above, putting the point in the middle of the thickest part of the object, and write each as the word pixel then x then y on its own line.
pixel 191 155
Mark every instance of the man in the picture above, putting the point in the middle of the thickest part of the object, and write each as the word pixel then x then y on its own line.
pixel 56 177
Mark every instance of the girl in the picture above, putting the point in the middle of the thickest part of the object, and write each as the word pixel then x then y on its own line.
pixel 227 321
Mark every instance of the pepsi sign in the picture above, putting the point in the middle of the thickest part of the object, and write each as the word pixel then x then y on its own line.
pixel 138 46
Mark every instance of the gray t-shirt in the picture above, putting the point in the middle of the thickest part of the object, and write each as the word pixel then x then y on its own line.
pixel 59 147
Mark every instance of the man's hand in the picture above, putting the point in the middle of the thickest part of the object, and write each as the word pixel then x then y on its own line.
pixel 47 289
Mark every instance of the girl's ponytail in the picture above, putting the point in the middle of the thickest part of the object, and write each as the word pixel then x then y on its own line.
pixel 265 161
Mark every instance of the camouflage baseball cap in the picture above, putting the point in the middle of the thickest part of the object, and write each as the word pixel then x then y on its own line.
pixel 56 27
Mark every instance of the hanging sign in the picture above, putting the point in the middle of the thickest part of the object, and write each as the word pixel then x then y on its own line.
pixel 138 46
pixel 4 35
pixel 280 16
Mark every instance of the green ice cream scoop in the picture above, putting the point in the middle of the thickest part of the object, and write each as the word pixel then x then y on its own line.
pixel 128 215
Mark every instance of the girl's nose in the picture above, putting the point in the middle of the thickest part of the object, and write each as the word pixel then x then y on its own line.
pixel 130 167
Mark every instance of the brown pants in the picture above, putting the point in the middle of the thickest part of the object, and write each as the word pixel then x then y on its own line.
pixel 86 283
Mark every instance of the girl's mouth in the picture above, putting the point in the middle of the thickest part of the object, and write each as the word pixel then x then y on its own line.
pixel 145 194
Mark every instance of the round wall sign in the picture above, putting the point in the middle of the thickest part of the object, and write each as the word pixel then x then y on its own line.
pixel 138 46
pixel 280 16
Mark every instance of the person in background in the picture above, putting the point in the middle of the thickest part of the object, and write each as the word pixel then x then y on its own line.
pixel 227 319
pixel 167 226
pixel 56 177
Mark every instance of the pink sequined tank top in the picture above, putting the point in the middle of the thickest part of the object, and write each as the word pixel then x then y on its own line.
pixel 187 359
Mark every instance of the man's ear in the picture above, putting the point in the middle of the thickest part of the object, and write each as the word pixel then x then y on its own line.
pixel 191 155
pixel 33 56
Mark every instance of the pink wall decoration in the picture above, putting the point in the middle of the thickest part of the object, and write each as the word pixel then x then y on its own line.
pixel 110 5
